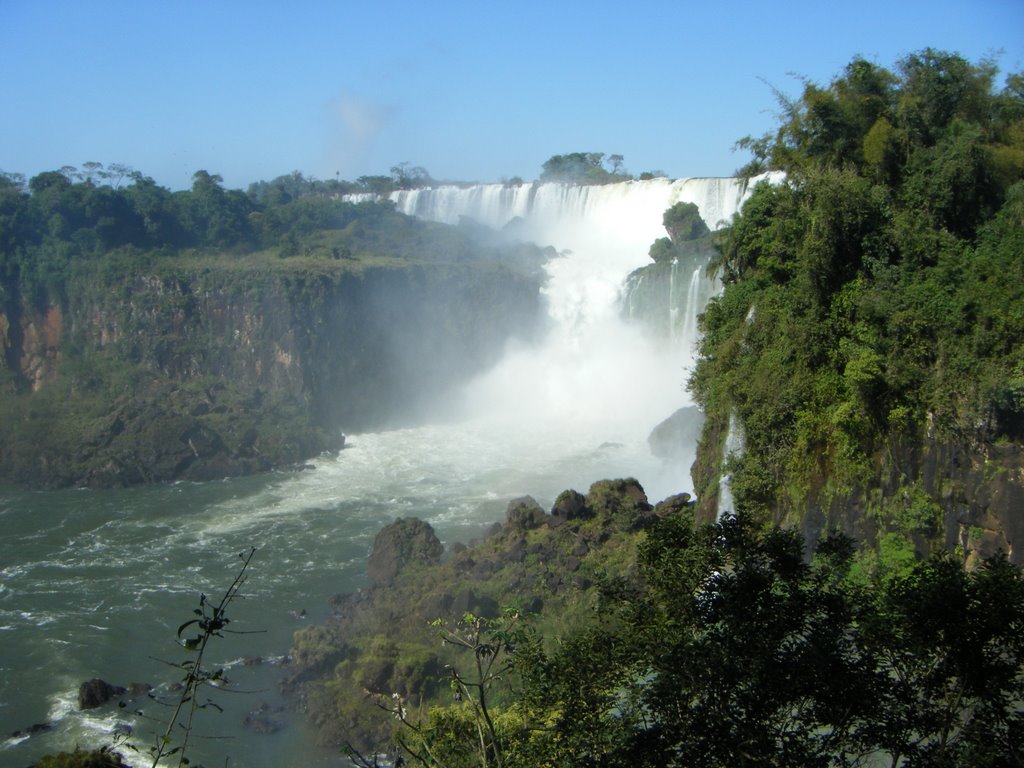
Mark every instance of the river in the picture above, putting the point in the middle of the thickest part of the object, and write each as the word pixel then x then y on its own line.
pixel 95 583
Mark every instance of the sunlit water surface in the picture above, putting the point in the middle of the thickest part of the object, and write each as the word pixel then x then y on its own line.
pixel 95 583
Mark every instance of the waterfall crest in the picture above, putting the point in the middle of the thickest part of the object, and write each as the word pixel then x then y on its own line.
pixel 597 375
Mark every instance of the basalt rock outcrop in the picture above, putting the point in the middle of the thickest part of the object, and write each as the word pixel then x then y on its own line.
pixel 383 640
pixel 95 693
pixel 969 495
pixel 403 543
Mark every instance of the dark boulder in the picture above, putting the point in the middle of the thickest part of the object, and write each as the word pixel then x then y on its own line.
pixel 622 502
pixel 32 730
pixel 524 514
pixel 95 693
pixel 399 545
pixel 677 435
pixel 570 505
pixel 262 721
pixel 673 504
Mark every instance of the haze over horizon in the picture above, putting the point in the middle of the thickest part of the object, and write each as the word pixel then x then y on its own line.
pixel 471 92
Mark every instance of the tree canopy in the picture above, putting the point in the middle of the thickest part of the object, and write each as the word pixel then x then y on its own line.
pixel 874 294
pixel 59 216
pixel 727 647
pixel 584 168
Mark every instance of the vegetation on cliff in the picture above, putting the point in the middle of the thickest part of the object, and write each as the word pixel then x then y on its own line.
pixel 873 302
pixel 150 335
pixel 584 168
pixel 688 235
pixel 613 633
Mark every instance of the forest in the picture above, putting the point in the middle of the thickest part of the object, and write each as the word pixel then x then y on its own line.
pixel 876 299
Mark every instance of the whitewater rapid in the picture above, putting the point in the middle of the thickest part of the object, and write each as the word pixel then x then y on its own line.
pixel 597 371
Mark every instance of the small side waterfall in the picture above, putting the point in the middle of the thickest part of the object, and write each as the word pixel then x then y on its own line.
pixel 667 299
pixel 694 306
pixel 734 446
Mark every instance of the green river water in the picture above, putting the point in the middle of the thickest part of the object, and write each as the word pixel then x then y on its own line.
pixel 95 583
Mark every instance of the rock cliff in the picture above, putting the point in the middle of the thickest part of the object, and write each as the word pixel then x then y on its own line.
pixel 195 369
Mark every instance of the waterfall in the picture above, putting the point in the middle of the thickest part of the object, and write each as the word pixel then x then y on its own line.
pixel 595 374
pixel 603 231
pixel 693 306
pixel 734 446
pixel 673 300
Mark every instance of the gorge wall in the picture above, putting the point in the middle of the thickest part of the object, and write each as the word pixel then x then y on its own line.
pixel 198 371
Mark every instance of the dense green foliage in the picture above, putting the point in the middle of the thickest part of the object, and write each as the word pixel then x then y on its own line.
pixel 731 650
pixel 688 235
pixel 705 647
pixel 59 217
pixel 879 290
pixel 385 640
pixel 584 168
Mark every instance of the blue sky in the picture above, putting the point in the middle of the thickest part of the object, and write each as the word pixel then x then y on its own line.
pixel 469 90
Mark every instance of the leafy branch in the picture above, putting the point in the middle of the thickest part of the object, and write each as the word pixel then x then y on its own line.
pixel 211 621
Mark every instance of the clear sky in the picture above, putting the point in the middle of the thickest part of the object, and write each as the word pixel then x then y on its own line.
pixel 472 91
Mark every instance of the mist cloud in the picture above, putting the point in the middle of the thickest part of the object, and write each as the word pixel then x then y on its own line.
pixel 355 125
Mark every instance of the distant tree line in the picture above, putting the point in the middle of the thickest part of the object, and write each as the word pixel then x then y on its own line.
pixel 55 217
pixel 589 168
pixel 58 216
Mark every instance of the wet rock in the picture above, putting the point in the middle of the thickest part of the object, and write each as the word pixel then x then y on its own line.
pixel 95 693
pixel 261 721
pixel 32 730
pixel 122 729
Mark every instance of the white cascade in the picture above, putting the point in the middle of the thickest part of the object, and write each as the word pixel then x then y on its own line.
pixel 734 447
pixel 595 377
pixel 693 306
